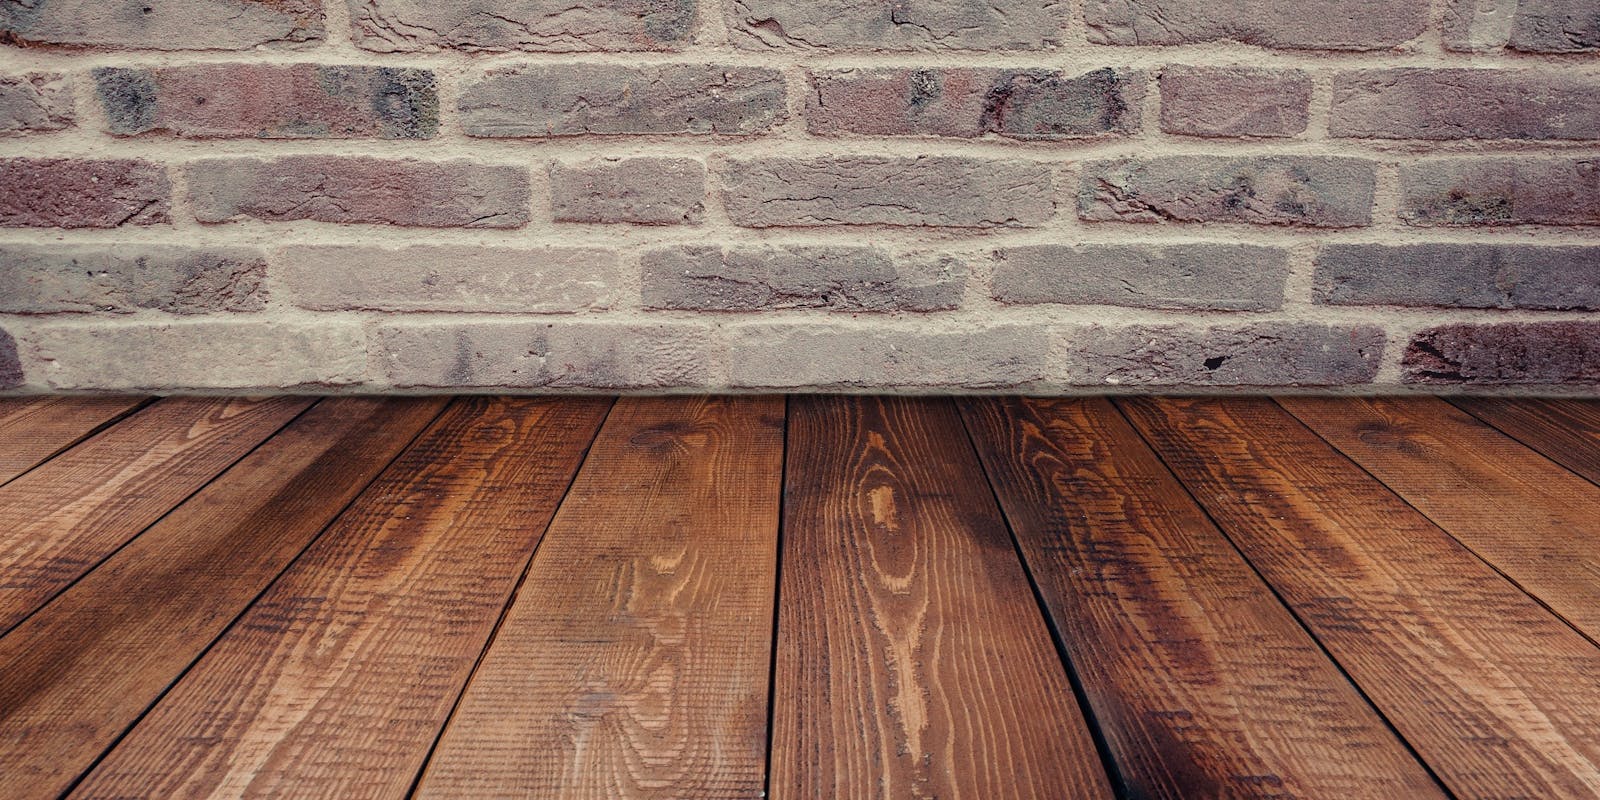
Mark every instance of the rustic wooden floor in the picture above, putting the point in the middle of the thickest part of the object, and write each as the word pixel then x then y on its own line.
pixel 812 598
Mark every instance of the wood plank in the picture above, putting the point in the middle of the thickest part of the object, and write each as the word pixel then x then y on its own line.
pixel 1531 518
pixel 84 668
pixel 1475 675
pixel 60 520
pixel 33 429
pixel 634 661
pixel 913 660
pixel 338 680
pixel 1202 683
pixel 1565 431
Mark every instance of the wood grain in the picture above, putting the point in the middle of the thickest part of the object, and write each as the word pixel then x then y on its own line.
pixel 60 520
pixel 1565 431
pixel 913 660
pixel 1531 518
pixel 1202 682
pixel 1492 690
pixel 634 661
pixel 338 680
pixel 33 429
pixel 83 669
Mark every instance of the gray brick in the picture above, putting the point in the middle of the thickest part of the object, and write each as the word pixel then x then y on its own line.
pixel 11 374
pixel 560 26
pixel 35 102
pixel 1203 276
pixel 161 24
pixel 458 278
pixel 566 355
pixel 1306 191
pixel 647 191
pixel 1258 354
pixel 935 25
pixel 766 277
pixel 837 356
pixel 1417 103
pixel 1460 276
pixel 1556 26
pixel 1305 25
pixel 195 355
pixel 1234 101
pixel 1501 191
pixel 44 279
pixel 1508 354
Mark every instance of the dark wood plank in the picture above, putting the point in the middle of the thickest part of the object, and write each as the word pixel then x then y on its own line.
pixel 1480 679
pixel 1531 518
pixel 338 680
pixel 913 660
pixel 1565 431
pixel 1202 683
pixel 33 429
pixel 84 668
pixel 634 661
pixel 60 520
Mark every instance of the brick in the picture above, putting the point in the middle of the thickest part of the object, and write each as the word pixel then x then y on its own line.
pixel 877 190
pixel 35 102
pixel 647 191
pixel 1217 277
pixel 45 279
pixel 1234 101
pixel 82 193
pixel 162 24
pixel 191 355
pixel 1257 354
pixel 1307 25
pixel 1460 276
pixel 452 278
pixel 266 101
pixel 524 355
pixel 1506 354
pixel 991 25
pixel 1018 104
pixel 841 356
pixel 436 194
pixel 1463 104
pixel 11 374
pixel 579 99
pixel 1501 191
pixel 1305 191
pixel 1556 26
pixel 559 26
pixel 769 277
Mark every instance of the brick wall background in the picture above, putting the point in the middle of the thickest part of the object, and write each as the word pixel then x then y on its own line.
pixel 920 195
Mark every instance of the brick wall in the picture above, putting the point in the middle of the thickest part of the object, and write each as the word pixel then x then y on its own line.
pixel 921 195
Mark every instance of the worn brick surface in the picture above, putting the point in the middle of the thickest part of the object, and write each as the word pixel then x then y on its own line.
pixel 43 279
pixel 1217 277
pixel 1460 276
pixel 1251 355
pixel 35 102
pixel 437 194
pixel 300 101
pixel 771 277
pixel 1308 24
pixel 555 355
pixel 1306 191
pixel 1234 101
pixel 11 374
pixel 575 99
pixel 1417 103
pixel 82 193
pixel 1513 353
pixel 462 278
pixel 236 355
pixel 161 24
pixel 934 25
pixel 839 356
pixel 648 191
pixel 1501 191
pixel 561 26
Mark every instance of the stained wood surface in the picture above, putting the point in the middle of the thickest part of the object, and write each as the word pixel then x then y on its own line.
pixel 338 680
pixel 1480 679
pixel 912 660
pixel 32 429
pixel 1565 431
pixel 634 662
pixel 1531 518
pixel 60 520
pixel 84 668
pixel 1202 683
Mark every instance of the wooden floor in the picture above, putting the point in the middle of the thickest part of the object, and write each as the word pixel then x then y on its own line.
pixel 805 598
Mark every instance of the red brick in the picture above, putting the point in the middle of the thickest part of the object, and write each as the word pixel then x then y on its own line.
pixel 1517 353
pixel 1502 191
pixel 1464 104
pixel 1234 101
pixel 82 193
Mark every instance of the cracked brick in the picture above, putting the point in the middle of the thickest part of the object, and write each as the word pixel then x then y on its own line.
pixel 904 25
pixel 645 191
pixel 82 193
pixel 35 102
pixel 556 26
pixel 1505 354
pixel 1302 191
pixel 45 279
pixel 1234 101
pixel 1217 277
pixel 772 277
pixel 1256 354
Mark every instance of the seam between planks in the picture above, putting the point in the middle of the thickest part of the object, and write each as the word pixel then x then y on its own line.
pixel 90 434
pixel 777 600
pixel 1519 440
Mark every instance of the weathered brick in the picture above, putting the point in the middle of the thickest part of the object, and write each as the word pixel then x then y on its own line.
pixel 1417 103
pixel 161 24
pixel 842 356
pixel 1305 25
pixel 567 355
pixel 1257 354
pixel 1308 191
pixel 82 193
pixel 35 102
pixel 199 355
pixel 866 190
pixel 43 279
pixel 437 194
pixel 647 191
pixel 1502 191
pixel 560 26
pixel 1460 276
pixel 1513 353
pixel 1234 101
pixel 1018 104
pixel 1531 26
pixel 901 25
pixel 458 278
pixel 268 101
pixel 765 277
pixel 1218 277
pixel 11 374
pixel 577 99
